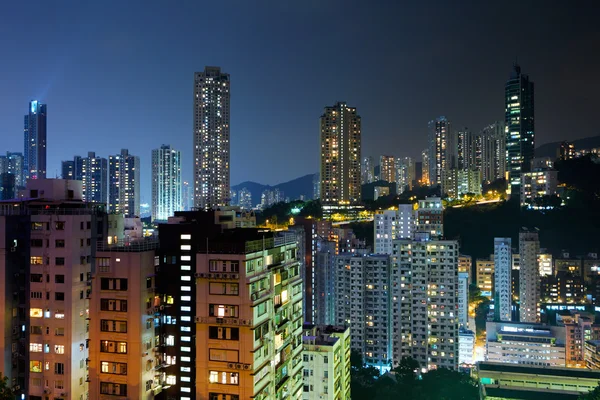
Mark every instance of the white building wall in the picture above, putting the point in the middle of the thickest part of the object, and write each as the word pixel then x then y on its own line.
pixel 502 278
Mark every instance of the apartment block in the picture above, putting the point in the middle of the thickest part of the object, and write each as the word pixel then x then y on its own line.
pixel 234 324
pixel 124 360
pixel 393 224
pixel 485 276
pixel 529 277
pixel 47 244
pixel 326 363
pixel 363 301
pixel 429 217
pixel 426 273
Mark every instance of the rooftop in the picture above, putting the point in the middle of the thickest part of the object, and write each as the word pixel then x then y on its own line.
pixel 548 371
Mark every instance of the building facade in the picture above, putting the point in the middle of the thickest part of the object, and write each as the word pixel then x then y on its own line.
pixel 34 152
pixel 94 175
pixel 123 360
pixel 529 277
pixel 326 362
pixel 440 149
pixel 166 183
pixel 524 343
pixel 493 152
pixel 537 184
pixel 367 170
pixel 47 244
pixel 124 184
pixel 363 301
pixel 387 169
pixel 485 276
pixel 227 338
pixel 426 275
pixel 393 224
pixel 502 279
pixel 211 138
pixel 340 170
pixel 429 217
pixel 519 126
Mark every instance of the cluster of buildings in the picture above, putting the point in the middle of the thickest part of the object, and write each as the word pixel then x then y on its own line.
pixel 204 309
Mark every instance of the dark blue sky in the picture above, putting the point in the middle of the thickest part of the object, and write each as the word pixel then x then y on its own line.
pixel 118 74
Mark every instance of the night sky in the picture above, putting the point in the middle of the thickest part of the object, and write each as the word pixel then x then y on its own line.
pixel 119 74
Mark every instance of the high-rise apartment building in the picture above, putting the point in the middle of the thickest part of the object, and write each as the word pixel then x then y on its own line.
pixel 12 163
pixel 166 183
pixel 245 199
pixel 230 311
pixel 427 278
pixel 537 184
pixel 72 169
pixel 529 277
pixel 405 174
pixel 393 224
pixel 429 217
pixel 502 279
pixel 425 168
pixel 545 264
pixel 47 244
pixel 34 153
pixel 493 152
pixel 465 264
pixel 93 172
pixel 579 328
pixel 566 150
pixel 459 182
pixel 122 360
pixel 211 138
pixel 340 169
pixel 485 276
pixel 519 126
pixel 124 184
pixel 387 169
pixel 440 149
pixel 367 170
pixel 463 300
pixel 464 152
pixel 363 301
pixel 326 361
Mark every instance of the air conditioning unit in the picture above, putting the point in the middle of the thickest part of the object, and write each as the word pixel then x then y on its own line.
pixel 162 307
pixel 197 319
pixel 231 365
pixel 225 276
pixel 149 312
pixel 235 276
pixel 219 320
pixel 238 366
pixel 247 367
pixel 218 276
pixel 254 296
pixel 63 394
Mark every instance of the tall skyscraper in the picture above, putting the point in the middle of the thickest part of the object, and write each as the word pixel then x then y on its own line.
pixel 187 196
pixel 12 163
pixel 493 152
pixel 367 170
pixel 46 249
pixel 72 170
pixel 387 169
pixel 529 277
pixel 502 279
pixel 93 172
pixel 464 149
pixel 211 138
pixel 520 126
pixel 440 145
pixel 166 183
pixel 124 184
pixel 35 141
pixel 95 178
pixel 340 156
pixel 425 168
pixel 427 302
pixel 405 174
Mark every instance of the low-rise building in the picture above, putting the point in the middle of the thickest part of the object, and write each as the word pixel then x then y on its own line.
pixel 485 276
pixel 504 381
pixel 537 184
pixel 326 362
pixel 525 343
pixel 592 354
pixel 466 346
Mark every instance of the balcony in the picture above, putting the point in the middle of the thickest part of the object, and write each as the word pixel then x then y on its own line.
pixel 224 321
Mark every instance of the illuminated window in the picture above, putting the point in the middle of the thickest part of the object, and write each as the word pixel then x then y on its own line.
pixel 35 366
pixel 59 349
pixel 36 312
pixel 35 347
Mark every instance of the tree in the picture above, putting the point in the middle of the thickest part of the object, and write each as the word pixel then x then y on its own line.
pixel 593 395
pixel 6 392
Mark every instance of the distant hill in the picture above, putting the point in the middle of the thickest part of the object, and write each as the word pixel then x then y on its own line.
pixel 302 186
pixel 551 149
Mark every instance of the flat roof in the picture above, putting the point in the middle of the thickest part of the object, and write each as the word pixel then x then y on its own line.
pixel 524 394
pixel 549 371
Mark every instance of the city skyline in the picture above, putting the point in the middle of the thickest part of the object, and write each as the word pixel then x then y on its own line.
pixel 267 119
